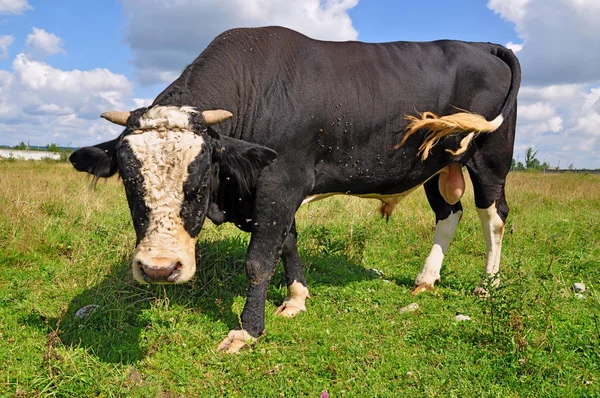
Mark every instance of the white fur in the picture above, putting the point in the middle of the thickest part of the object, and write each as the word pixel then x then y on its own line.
pixel 493 231
pixel 172 117
pixel 165 156
pixel 444 230
pixel 497 122
pixel 295 301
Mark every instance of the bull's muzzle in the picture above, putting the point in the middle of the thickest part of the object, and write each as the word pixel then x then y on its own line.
pixel 159 270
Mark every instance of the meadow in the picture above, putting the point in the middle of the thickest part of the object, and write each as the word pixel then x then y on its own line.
pixel 64 246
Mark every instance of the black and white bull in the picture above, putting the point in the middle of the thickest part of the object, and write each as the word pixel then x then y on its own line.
pixel 306 119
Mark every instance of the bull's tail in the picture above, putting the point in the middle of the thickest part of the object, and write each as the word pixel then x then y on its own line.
pixel 465 122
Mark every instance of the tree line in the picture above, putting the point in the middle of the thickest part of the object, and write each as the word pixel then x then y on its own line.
pixel 532 163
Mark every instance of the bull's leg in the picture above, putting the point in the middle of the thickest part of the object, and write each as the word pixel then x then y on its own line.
pixel 447 217
pixel 296 283
pixel 488 169
pixel 273 218
pixel 493 231
pixel 493 211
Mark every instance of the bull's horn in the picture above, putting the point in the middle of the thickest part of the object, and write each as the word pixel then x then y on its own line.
pixel 117 117
pixel 216 116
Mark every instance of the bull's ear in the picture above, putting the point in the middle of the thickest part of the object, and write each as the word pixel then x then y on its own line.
pixel 243 161
pixel 99 160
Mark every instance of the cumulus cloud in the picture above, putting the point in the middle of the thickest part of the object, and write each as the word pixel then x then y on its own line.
pixel 562 122
pixel 43 104
pixel 17 7
pixel 188 26
pixel 45 42
pixel 510 10
pixel 514 46
pixel 559 99
pixel 142 102
pixel 5 42
pixel 560 38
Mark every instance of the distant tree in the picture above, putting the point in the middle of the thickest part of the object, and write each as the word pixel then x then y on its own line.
pixel 21 146
pixel 531 162
pixel 571 167
pixel 513 164
pixel 520 166
pixel 52 148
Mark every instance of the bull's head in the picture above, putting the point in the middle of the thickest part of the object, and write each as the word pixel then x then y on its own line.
pixel 171 162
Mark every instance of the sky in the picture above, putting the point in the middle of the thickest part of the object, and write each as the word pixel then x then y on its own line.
pixel 63 63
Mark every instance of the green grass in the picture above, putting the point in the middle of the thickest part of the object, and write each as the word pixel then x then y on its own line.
pixel 63 247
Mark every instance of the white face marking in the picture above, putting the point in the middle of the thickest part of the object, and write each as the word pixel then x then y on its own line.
pixel 165 152
pixel 444 230
pixel 172 117
pixel 493 231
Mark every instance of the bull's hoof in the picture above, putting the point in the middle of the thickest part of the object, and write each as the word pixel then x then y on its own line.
pixel 295 302
pixel 422 287
pixel 481 292
pixel 290 308
pixel 235 340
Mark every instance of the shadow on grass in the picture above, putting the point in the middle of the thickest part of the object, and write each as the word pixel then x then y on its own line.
pixel 114 333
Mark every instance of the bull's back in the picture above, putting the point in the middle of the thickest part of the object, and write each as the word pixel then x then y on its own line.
pixel 353 90
pixel 289 91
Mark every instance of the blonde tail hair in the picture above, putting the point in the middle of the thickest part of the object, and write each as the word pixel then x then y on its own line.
pixel 440 127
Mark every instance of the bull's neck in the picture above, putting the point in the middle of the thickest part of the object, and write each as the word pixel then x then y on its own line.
pixel 214 82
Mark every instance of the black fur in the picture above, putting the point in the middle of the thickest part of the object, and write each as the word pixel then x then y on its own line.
pixel 242 162
pixel 98 160
pixel 129 169
pixel 197 193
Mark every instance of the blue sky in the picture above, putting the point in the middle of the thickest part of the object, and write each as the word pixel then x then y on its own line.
pixel 62 63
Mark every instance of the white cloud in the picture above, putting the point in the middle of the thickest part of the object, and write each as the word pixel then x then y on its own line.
pixel 42 79
pixel 43 104
pixel 536 112
pixel 559 101
pixel 142 102
pixel 536 119
pixel 556 93
pixel 560 121
pixel 514 46
pixel 588 123
pixel 14 6
pixel 45 42
pixel 5 42
pixel 510 10
pixel 560 38
pixel 188 26
pixel 592 99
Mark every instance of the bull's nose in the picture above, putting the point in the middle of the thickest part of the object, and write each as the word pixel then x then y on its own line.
pixel 158 271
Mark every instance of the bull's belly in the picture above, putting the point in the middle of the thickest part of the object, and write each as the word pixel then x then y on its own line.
pixel 451 186
pixel 384 198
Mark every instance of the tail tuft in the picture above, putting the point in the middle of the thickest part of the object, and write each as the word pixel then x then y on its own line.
pixel 441 127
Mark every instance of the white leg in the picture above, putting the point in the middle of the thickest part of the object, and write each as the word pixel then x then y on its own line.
pixel 493 231
pixel 444 230
pixel 295 302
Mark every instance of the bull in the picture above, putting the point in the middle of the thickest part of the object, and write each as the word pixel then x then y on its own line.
pixel 266 119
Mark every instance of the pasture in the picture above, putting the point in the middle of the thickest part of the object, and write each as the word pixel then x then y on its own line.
pixel 63 247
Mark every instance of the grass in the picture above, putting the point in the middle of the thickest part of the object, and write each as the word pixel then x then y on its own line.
pixel 63 247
